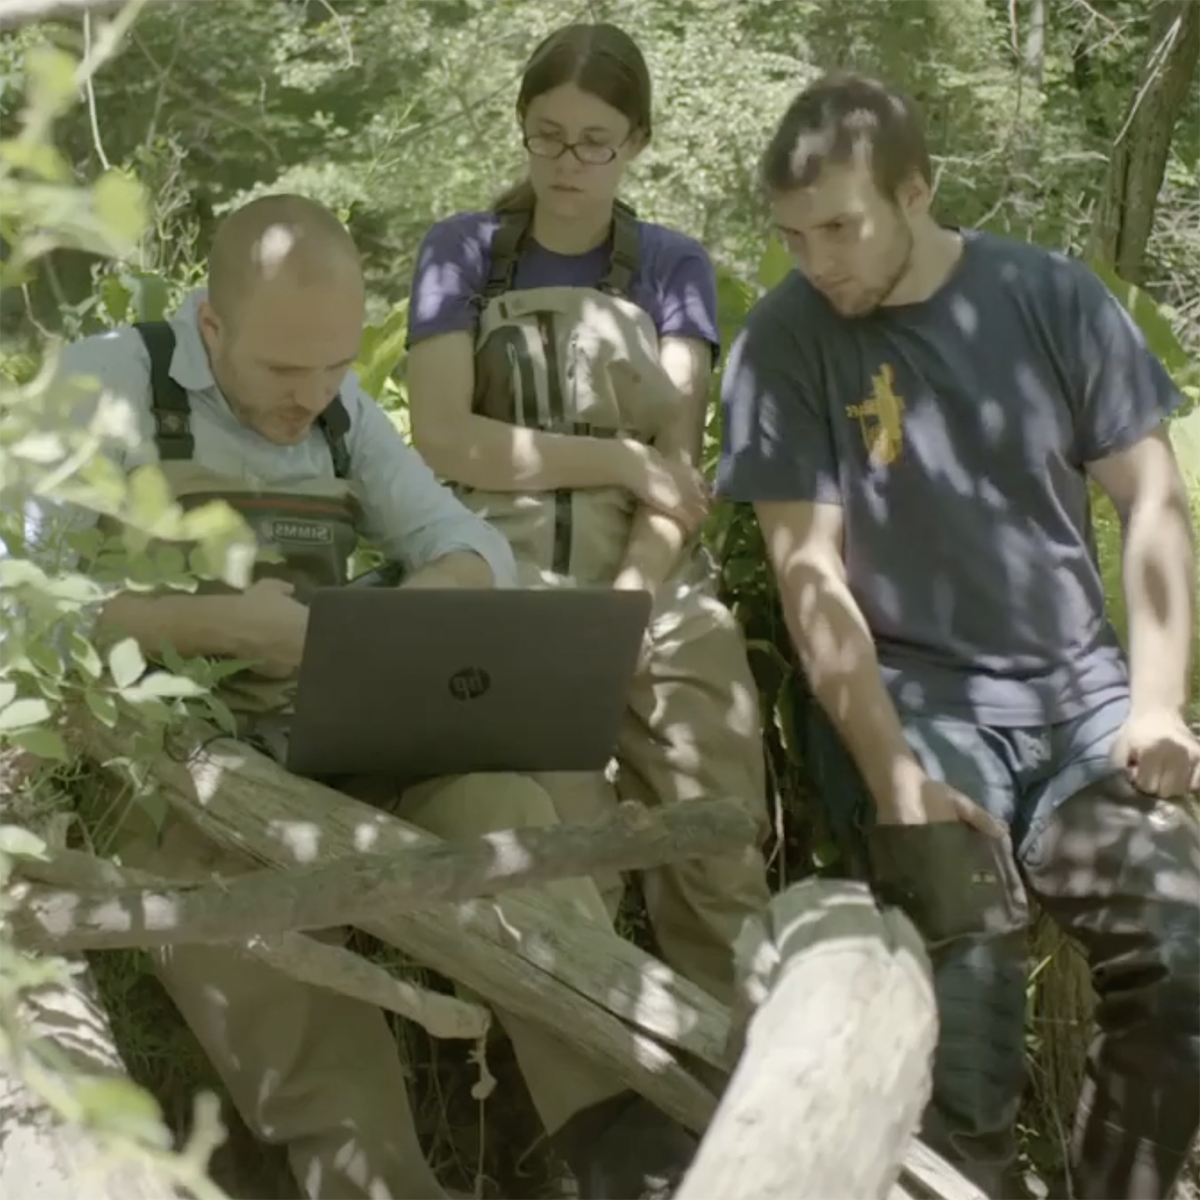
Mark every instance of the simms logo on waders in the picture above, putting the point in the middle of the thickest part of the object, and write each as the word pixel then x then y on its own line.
pixel 470 683
pixel 289 529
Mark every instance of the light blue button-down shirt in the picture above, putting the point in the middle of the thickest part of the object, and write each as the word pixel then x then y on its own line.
pixel 408 514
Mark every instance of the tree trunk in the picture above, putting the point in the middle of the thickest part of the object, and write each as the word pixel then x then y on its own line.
pixel 1125 216
pixel 42 1156
pixel 1033 56
pixel 835 1070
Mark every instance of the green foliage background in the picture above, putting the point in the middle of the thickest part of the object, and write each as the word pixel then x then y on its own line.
pixel 399 114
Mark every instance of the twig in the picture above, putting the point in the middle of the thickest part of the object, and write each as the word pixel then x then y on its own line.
pixel 90 92
pixel 341 24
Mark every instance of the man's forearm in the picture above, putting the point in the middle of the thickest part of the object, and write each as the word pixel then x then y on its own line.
pixel 461 568
pixel 194 626
pixel 838 655
pixel 1159 580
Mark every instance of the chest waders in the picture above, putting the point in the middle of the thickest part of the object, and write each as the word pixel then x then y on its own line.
pixel 585 362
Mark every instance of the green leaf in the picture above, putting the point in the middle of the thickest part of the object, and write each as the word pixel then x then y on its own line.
pixel 382 349
pixel 120 1105
pixel 37 158
pixel 21 714
pixel 126 663
pixel 84 655
pixel 216 519
pixel 102 706
pixel 222 715
pixel 46 658
pixel 116 297
pixel 775 266
pixel 20 572
pixel 41 743
pixel 39 447
pixel 170 563
pixel 121 204
pixel 20 843
pixel 74 591
pixel 735 298
pixel 160 685
pixel 1150 318
pixel 150 293
pixel 50 76
pixel 154 805
pixel 8 693
pixel 1185 438
pixel 150 498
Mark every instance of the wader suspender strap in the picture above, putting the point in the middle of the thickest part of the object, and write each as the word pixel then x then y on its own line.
pixel 506 250
pixel 626 252
pixel 172 410
pixel 169 400
pixel 514 228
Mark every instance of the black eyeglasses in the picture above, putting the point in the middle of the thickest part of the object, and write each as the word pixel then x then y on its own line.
pixel 592 154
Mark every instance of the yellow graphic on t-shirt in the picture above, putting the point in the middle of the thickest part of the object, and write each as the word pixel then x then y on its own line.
pixel 879 418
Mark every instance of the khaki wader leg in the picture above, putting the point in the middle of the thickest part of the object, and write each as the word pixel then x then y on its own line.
pixel 693 732
pixel 306 1067
pixel 559 1080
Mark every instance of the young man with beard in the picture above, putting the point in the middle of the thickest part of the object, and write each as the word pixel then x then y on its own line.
pixel 916 413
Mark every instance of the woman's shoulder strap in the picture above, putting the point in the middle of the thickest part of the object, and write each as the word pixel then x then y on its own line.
pixel 626 251
pixel 507 242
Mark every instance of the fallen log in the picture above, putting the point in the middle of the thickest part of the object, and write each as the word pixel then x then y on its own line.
pixel 84 910
pixel 623 1008
pixel 65 1033
pixel 835 1036
pixel 301 957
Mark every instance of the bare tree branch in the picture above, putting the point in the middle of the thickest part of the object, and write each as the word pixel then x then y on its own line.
pixel 24 12
pixel 265 902
pixel 294 954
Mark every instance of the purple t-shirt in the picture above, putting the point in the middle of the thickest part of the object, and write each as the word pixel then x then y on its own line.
pixel 675 283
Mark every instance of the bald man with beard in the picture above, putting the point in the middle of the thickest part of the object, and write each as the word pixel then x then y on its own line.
pixel 247 394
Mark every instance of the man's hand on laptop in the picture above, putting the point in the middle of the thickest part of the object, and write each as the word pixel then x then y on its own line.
pixel 270 627
pixel 461 569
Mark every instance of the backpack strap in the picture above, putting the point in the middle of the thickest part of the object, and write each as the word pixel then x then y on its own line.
pixel 169 403
pixel 507 244
pixel 335 425
pixel 626 251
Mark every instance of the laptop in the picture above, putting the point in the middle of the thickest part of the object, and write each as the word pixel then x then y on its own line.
pixel 422 683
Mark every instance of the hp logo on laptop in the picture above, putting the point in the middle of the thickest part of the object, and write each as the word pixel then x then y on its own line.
pixel 470 683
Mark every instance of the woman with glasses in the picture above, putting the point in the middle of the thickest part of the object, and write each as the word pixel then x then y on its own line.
pixel 560 358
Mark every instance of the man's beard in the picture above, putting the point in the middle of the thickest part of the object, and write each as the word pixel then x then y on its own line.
pixel 870 301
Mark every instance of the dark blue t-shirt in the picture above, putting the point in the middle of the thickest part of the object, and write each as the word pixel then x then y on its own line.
pixel 954 434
